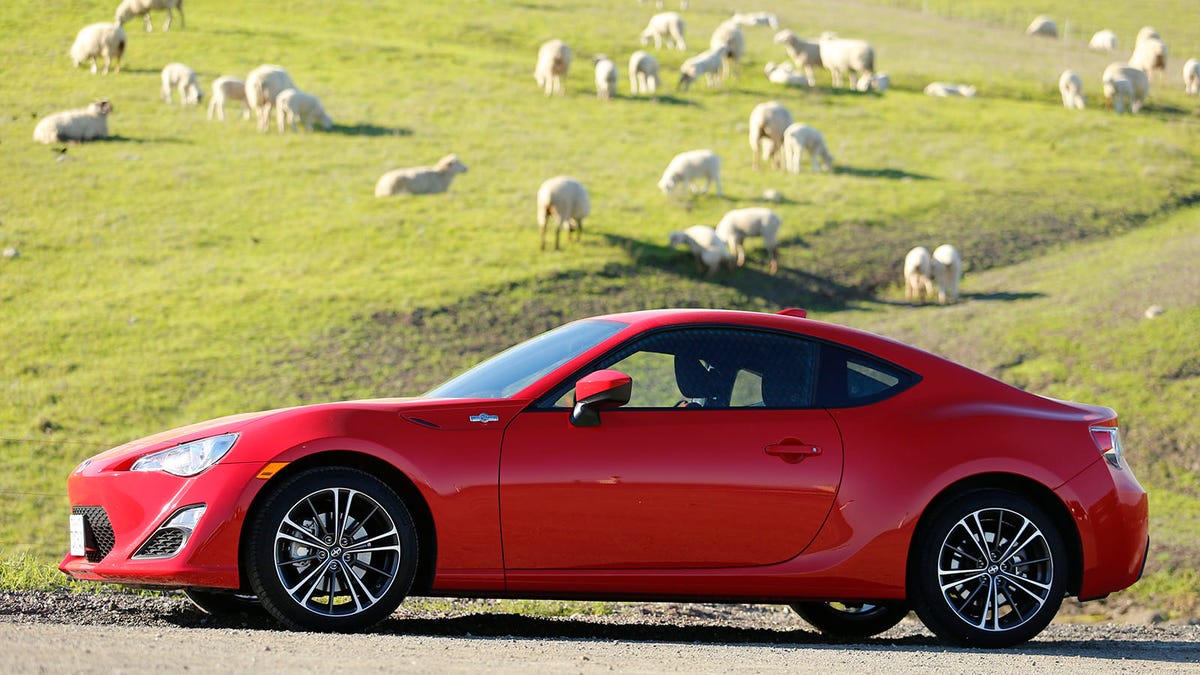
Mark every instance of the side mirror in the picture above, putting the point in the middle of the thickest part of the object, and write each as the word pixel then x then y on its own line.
pixel 603 389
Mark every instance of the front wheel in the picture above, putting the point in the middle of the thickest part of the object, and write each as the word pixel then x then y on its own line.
pixel 852 620
pixel 990 570
pixel 331 549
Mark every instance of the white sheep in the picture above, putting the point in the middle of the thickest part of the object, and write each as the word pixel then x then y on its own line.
pixel 293 105
pixel 756 19
pixel 183 78
pixel 800 138
pixel 263 86
pixel 131 8
pixel 1071 88
pixel 665 27
pixel 729 35
pixel 768 122
pixel 842 56
pixel 420 180
pixel 1191 77
pixel 785 73
pixel 566 200
pixel 687 168
pixel 918 275
pixel 736 225
pixel 553 62
pixel 880 82
pixel 947 272
pixel 706 63
pixel 1103 40
pixel 805 54
pixel 85 124
pixel 1043 26
pixel 1147 33
pixel 710 250
pixel 224 89
pixel 643 73
pixel 947 89
pixel 1125 87
pixel 96 40
pixel 606 77
pixel 1150 55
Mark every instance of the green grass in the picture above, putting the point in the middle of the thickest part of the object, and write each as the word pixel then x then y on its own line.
pixel 188 269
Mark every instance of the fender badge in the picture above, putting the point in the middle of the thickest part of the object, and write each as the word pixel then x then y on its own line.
pixel 484 418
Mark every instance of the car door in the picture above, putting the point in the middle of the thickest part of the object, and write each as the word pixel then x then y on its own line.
pixel 718 460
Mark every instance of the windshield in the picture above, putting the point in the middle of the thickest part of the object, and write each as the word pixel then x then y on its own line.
pixel 519 366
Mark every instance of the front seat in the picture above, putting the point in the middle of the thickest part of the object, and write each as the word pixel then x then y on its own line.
pixel 697 381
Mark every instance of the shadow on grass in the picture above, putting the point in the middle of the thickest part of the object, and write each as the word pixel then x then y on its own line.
pixel 659 98
pixel 370 130
pixel 890 174
pixel 1003 296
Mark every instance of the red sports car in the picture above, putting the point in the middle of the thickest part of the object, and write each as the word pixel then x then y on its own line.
pixel 694 455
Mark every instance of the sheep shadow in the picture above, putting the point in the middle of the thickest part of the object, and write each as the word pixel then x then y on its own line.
pixel 369 130
pixel 889 174
pixel 1002 296
pixel 660 99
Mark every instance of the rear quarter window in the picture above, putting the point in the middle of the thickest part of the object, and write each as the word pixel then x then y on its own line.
pixel 849 378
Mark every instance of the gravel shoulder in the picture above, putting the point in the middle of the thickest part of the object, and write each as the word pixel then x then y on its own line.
pixel 78 632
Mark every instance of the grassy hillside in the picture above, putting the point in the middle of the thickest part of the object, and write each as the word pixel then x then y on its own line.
pixel 186 269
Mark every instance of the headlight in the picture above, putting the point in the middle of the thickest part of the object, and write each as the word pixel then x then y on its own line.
pixel 187 459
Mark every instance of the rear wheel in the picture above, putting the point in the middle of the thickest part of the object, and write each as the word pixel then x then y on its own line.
pixel 990 571
pixel 331 549
pixel 851 619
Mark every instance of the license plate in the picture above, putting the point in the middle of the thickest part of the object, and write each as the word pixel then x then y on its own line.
pixel 78 547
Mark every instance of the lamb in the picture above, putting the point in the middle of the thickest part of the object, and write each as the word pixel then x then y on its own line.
pixel 553 62
pixel 768 121
pixel 183 78
pixel 1125 87
pixel 643 73
pixel 842 56
pixel 263 86
pixel 947 272
pixel 1043 26
pixel 707 63
pixel 736 225
pixel 96 40
pixel 805 54
pixel 918 275
pixel 85 124
pixel 1150 55
pixel 729 35
pixel 946 89
pixel 567 200
pixel 131 8
pixel 420 180
pixel 224 89
pixel 688 167
pixel 785 73
pixel 1104 40
pixel 293 105
pixel 1071 88
pixel 710 250
pixel 606 77
pixel 1191 77
pixel 756 19
pixel 665 27
pixel 800 138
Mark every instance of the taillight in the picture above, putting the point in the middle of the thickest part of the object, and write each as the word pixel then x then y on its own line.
pixel 1108 441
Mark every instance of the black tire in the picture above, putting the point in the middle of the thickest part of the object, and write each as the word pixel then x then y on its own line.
pixel 851 620
pixel 331 549
pixel 990 570
pixel 224 603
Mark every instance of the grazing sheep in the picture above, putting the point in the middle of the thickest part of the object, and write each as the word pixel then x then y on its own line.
pixel 736 225
pixel 553 62
pixel 805 54
pixel 918 275
pixel 85 124
pixel 947 89
pixel 729 35
pixel 293 105
pixel 800 138
pixel 841 56
pixel 756 19
pixel 1191 77
pixel 643 73
pixel 567 200
pixel 227 89
pixel 131 8
pixel 1150 55
pixel 785 73
pixel 99 39
pixel 710 250
pixel 880 82
pixel 947 272
pixel 1125 87
pixel 606 77
pixel 1043 26
pixel 420 180
pixel 768 121
pixel 688 167
pixel 183 78
pixel 1071 88
pixel 1104 40
pixel 707 63
pixel 263 86
pixel 665 27
pixel 1147 33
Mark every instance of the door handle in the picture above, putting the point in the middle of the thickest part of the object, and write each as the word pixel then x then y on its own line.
pixel 792 451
